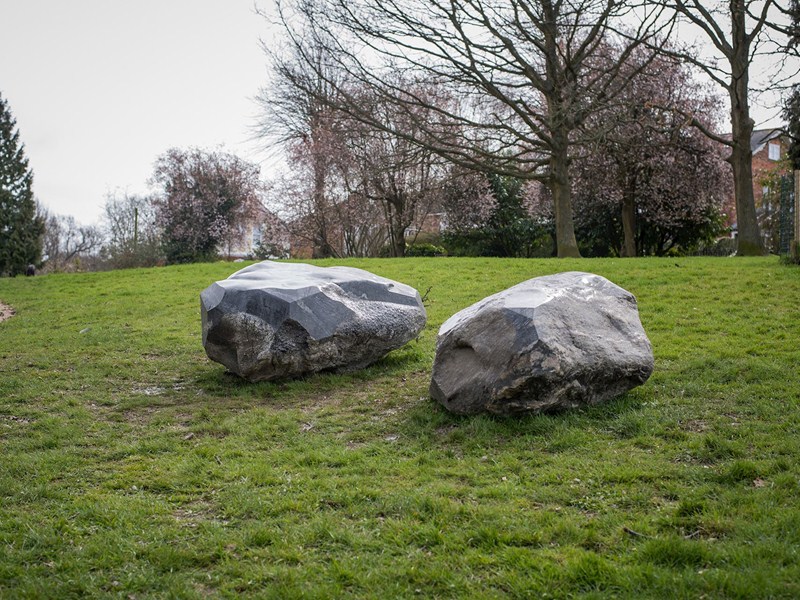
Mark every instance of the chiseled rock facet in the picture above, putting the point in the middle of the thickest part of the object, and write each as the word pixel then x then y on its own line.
pixel 276 320
pixel 549 343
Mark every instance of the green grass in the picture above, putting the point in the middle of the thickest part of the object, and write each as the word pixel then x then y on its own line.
pixel 133 467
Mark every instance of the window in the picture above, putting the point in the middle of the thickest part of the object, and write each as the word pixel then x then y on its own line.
pixel 774 151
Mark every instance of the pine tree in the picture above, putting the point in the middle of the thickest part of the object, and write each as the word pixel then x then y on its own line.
pixel 21 228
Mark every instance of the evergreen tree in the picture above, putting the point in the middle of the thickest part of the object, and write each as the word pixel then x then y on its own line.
pixel 496 222
pixel 511 231
pixel 21 228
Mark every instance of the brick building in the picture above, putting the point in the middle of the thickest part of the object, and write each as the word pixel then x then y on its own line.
pixel 769 147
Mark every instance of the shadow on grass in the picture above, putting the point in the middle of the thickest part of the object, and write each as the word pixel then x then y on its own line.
pixel 428 421
pixel 390 397
pixel 216 381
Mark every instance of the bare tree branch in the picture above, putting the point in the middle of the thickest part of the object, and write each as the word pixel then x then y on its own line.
pixel 523 71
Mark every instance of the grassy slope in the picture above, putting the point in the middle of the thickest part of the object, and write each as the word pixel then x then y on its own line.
pixel 132 466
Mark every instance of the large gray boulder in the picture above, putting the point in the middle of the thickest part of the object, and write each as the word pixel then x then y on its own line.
pixel 547 344
pixel 276 320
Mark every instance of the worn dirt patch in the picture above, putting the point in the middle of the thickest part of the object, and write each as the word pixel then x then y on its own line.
pixel 695 425
pixel 11 420
pixel 6 312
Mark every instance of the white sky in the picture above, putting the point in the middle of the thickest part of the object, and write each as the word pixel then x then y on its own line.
pixel 100 88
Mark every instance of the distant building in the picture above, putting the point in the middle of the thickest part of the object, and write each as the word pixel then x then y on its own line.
pixel 264 234
pixel 769 147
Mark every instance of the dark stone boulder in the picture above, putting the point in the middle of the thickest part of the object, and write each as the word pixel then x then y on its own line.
pixel 278 320
pixel 547 344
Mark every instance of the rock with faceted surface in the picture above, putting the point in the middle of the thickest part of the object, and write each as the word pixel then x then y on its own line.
pixel 277 320
pixel 547 344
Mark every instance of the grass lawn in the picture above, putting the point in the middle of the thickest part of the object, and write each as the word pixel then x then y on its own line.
pixel 133 467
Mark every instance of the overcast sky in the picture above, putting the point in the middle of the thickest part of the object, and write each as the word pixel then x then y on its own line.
pixel 100 88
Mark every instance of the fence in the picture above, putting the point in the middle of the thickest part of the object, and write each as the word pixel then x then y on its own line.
pixel 788 224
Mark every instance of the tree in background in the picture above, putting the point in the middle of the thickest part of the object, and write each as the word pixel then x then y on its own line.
pixel 352 189
pixel 738 31
pixel 133 237
pixel 309 196
pixel 296 117
pixel 384 170
pixel 675 212
pixel 492 216
pixel 378 188
pixel 21 225
pixel 70 246
pixel 203 199
pixel 524 70
pixel 652 184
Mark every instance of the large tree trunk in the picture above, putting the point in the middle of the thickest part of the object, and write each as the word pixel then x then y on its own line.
pixel 398 243
pixel 749 242
pixel 629 225
pixel 397 228
pixel 321 245
pixel 567 246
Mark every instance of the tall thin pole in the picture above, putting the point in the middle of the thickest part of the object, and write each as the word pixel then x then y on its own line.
pixel 795 249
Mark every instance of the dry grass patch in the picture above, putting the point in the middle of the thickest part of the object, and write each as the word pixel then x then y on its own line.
pixel 6 312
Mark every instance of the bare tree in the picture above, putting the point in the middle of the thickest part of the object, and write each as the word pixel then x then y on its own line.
pixel 355 188
pixel 68 245
pixel 738 31
pixel 310 198
pixel 404 179
pixel 133 238
pixel 296 115
pixel 523 70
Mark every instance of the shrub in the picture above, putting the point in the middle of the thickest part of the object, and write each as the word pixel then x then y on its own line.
pixel 425 249
pixel 793 258
pixel 721 247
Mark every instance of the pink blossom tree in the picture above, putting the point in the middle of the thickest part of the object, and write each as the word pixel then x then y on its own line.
pixel 651 182
pixel 203 199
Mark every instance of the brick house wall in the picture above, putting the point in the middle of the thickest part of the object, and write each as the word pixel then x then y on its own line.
pixel 769 147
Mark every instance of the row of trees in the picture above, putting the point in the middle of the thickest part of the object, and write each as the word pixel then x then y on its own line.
pixel 576 125
pixel 646 185
pixel 533 90
pixel 202 203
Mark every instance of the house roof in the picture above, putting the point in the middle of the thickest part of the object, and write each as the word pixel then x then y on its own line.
pixel 760 138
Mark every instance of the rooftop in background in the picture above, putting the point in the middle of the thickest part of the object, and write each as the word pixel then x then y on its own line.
pixel 760 138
